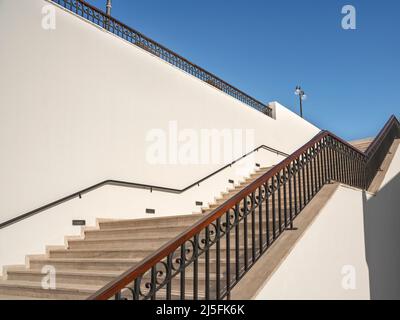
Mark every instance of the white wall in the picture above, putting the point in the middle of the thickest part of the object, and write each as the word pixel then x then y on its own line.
pixel 354 228
pixel 76 104
pixel 393 170
pixel 382 236
pixel 313 270
pixel 31 236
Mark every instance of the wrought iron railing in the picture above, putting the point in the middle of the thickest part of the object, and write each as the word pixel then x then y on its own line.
pixel 100 18
pixel 210 258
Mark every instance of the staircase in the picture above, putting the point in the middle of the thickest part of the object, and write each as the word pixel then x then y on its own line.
pixel 87 264
pixel 199 256
pixel 362 144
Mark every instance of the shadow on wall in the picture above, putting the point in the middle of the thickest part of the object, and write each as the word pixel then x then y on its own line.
pixel 382 240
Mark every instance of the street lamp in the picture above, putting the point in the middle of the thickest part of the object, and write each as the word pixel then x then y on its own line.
pixel 108 7
pixel 302 96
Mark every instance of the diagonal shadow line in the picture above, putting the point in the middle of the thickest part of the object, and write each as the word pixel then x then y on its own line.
pixel 382 240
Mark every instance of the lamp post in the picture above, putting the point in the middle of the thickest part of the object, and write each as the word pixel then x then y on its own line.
pixel 108 7
pixel 302 96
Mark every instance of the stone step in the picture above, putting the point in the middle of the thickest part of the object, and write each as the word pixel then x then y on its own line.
pixel 115 265
pixel 140 233
pixel 61 264
pixel 270 205
pixel 220 202
pixel 174 221
pixel 22 289
pixel 118 245
pixel 184 220
pixel 117 253
pixel 226 196
pixel 175 295
pixel 143 232
pixel 100 278
pixel 135 243
pixel 123 243
pixel 90 277
pixel 17 298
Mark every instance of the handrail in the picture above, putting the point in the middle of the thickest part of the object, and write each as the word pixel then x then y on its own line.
pixel 100 18
pixel 152 188
pixel 381 135
pixel 330 156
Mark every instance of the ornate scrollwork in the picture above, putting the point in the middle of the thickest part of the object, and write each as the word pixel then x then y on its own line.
pixel 127 293
pixel 282 178
pixel 231 218
pixel 270 189
pixel 162 272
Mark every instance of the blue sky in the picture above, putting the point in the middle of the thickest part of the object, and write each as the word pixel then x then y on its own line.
pixel 267 47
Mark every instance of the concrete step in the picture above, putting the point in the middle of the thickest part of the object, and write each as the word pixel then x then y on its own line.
pixel 175 221
pixel 135 243
pixel 362 144
pixel 140 233
pixel 100 278
pixel 90 277
pixel 123 243
pixel 113 253
pixel 118 245
pixel 230 194
pixel 270 205
pixel 222 201
pixel 175 295
pixel 22 289
pixel 114 265
pixel 61 264
pixel 20 298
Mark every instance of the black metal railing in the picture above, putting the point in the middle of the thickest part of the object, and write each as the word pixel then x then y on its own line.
pixel 211 257
pixel 125 184
pixel 378 149
pixel 100 18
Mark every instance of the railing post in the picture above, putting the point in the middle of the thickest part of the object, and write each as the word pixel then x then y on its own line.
pixel 183 272
pixel 267 215
pixel 228 255
pixel 207 263
pixel 196 267
pixel 273 209
pixel 290 176
pixel 218 259
pixel 278 179
pixel 260 220
pixel 285 180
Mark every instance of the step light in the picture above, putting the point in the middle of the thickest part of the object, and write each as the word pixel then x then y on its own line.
pixel 79 223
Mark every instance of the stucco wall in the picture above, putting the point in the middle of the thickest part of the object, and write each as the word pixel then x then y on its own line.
pixel 76 105
pixel 355 232
pixel 334 241
pixel 382 237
